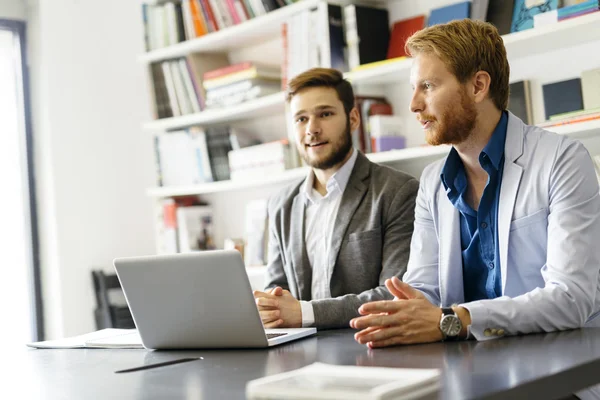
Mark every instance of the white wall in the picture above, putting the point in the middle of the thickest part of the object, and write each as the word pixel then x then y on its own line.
pixel 13 9
pixel 93 163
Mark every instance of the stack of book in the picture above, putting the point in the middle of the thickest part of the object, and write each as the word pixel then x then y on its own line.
pixel 256 162
pixel 237 83
pixel 570 10
pixel 176 21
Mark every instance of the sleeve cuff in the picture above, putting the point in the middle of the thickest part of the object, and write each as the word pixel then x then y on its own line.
pixel 308 314
pixel 480 321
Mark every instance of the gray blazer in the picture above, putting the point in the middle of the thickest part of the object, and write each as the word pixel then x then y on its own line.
pixel 370 241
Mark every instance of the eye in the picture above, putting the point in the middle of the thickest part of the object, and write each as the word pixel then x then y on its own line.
pixel 427 85
pixel 326 114
pixel 300 119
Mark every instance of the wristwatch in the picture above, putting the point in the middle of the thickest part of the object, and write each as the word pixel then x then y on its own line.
pixel 450 324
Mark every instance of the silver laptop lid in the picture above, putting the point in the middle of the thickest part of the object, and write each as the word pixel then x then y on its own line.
pixel 193 300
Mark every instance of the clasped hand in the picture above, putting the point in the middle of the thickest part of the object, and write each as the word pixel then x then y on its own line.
pixel 409 318
pixel 278 308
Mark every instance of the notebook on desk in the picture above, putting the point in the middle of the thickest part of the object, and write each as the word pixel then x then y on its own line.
pixel 196 300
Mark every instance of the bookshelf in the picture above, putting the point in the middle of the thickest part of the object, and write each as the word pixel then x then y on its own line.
pixel 520 44
pixel 547 46
pixel 261 107
pixel 580 130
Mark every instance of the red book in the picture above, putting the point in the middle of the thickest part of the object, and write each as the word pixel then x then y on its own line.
pixel 401 31
pixel 230 69
pixel 233 11
pixel 211 16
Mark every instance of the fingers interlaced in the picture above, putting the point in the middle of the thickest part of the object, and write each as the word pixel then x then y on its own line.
pixel 269 316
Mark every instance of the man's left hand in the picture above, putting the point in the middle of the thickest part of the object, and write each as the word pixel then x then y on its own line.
pixel 408 319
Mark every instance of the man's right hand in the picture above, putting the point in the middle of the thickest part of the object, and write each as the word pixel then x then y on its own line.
pixel 278 308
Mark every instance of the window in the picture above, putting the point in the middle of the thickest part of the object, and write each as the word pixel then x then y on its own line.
pixel 20 300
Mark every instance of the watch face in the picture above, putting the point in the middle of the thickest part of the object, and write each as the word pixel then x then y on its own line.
pixel 450 325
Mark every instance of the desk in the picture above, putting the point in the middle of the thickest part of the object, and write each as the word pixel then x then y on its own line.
pixel 543 366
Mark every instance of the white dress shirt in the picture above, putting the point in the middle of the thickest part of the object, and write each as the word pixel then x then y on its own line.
pixel 319 218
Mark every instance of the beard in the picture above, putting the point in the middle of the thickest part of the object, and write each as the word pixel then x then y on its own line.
pixel 338 151
pixel 456 124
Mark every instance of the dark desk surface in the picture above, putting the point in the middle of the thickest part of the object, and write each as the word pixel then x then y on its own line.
pixel 536 366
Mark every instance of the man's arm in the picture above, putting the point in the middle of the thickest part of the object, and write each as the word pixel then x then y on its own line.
pixel 573 259
pixel 398 228
pixel 275 274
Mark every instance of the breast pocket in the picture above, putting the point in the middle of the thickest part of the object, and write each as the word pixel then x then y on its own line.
pixel 535 218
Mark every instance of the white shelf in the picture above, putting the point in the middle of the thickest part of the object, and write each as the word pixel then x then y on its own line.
pixel 571 32
pixel 249 33
pixel 290 175
pixel 225 186
pixel 578 130
pixel 261 107
pixel 520 44
pixel 394 71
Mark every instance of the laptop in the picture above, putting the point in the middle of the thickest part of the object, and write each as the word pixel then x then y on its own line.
pixel 196 300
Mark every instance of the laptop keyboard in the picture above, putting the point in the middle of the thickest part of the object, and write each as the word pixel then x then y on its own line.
pixel 274 335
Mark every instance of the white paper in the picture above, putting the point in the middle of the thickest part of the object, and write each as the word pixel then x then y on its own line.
pixel 81 341
pixel 324 381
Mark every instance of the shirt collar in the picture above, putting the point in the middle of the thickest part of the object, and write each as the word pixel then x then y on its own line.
pixel 494 150
pixel 338 180
pixel 495 147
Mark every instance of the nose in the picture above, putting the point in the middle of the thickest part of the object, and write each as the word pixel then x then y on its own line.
pixel 313 127
pixel 416 102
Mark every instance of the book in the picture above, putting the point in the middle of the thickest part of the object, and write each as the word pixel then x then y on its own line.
pixel 253 72
pixel 109 338
pixel 561 97
pixel 219 144
pixel 401 31
pixel 569 121
pixel 519 101
pixel 387 143
pixel 590 85
pixel 449 13
pixel 325 381
pixel 255 162
pixel 523 15
pixel 332 51
pixel 367 34
pixel 572 114
pixel 242 96
pixel 479 9
pixel 499 14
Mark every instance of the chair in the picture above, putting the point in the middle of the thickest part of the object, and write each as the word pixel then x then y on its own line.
pixel 107 313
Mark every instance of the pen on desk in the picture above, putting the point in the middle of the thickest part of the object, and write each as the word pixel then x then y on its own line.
pixel 157 365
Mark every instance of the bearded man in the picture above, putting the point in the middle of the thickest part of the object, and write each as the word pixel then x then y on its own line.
pixel 336 236
pixel 506 226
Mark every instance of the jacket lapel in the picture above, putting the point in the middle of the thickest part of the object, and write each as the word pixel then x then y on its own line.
pixel 511 178
pixel 351 198
pixel 300 264
pixel 450 256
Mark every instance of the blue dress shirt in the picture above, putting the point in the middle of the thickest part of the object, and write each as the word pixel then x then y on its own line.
pixel 479 229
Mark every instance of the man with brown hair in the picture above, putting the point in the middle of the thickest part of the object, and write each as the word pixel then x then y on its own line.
pixel 335 237
pixel 506 226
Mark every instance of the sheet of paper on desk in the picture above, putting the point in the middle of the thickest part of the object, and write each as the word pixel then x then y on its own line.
pixel 104 338
pixel 324 381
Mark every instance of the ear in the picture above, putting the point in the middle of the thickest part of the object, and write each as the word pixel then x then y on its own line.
pixel 481 86
pixel 354 119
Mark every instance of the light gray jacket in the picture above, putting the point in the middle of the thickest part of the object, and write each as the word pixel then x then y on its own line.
pixel 370 241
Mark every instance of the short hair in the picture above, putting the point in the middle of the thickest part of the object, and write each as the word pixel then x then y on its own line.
pixel 466 47
pixel 323 77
